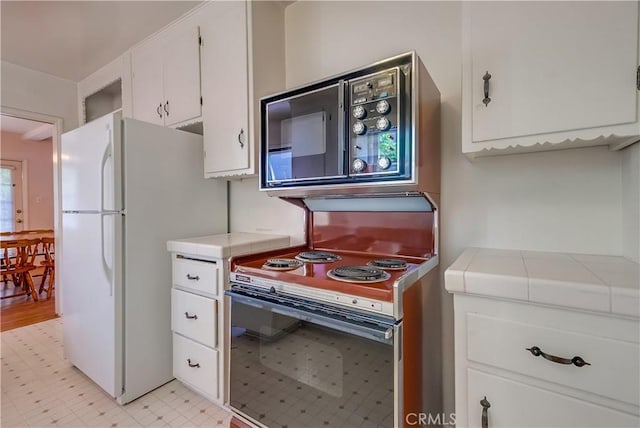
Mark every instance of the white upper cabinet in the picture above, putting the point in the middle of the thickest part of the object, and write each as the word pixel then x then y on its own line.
pixel 166 76
pixel 181 70
pixel 148 97
pixel 242 61
pixel 226 111
pixel 560 73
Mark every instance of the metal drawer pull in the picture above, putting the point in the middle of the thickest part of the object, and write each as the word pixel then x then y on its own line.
pixel 576 361
pixel 486 79
pixel 159 110
pixel 190 317
pixel 485 417
pixel 166 108
pixel 193 278
pixel 196 365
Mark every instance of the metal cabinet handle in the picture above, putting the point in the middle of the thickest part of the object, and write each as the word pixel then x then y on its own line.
pixel 193 278
pixel 166 108
pixel 576 361
pixel 190 317
pixel 486 79
pixel 196 365
pixel 159 110
pixel 485 417
pixel 240 138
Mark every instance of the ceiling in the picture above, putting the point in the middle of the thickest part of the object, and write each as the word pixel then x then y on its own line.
pixel 29 129
pixel 72 39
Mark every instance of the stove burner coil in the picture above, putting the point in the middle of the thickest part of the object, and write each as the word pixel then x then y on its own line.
pixel 389 264
pixel 281 264
pixel 317 257
pixel 367 274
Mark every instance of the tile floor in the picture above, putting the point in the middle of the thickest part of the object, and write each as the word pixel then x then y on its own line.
pixel 40 388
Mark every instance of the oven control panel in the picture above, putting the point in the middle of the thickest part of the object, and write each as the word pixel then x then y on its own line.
pixel 341 299
pixel 374 103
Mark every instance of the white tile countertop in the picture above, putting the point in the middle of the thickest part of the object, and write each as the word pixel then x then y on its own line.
pixel 596 283
pixel 228 244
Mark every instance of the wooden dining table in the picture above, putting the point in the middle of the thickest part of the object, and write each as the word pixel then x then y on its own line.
pixel 11 242
pixel 28 234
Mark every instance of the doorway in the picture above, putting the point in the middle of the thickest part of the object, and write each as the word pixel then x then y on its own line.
pixel 29 193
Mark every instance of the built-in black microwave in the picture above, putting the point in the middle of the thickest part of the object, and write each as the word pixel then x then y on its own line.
pixel 353 129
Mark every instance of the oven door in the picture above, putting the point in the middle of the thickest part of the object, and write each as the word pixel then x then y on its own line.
pixel 300 366
pixel 303 137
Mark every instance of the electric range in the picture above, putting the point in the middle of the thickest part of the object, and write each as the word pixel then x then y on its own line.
pixel 350 321
pixel 368 282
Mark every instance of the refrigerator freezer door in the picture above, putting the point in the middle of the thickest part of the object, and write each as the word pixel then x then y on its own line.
pixel 91 166
pixel 91 303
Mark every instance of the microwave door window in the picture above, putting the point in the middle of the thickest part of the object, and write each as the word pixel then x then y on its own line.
pixel 302 139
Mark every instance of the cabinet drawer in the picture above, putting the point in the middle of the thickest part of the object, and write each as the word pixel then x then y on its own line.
pixel 194 316
pixel 614 364
pixel 199 276
pixel 195 365
pixel 514 404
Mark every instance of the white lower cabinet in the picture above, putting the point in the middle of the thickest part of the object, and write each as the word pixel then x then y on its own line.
pixel 196 323
pixel 528 365
pixel 196 365
pixel 195 317
pixel 511 404
pixel 200 269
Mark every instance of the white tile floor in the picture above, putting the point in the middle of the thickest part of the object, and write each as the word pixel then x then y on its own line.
pixel 40 388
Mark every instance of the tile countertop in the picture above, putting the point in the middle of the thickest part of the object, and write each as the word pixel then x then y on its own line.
pixel 595 283
pixel 228 244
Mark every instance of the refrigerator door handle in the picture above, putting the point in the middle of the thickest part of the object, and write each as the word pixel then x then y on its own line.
pixel 105 266
pixel 108 152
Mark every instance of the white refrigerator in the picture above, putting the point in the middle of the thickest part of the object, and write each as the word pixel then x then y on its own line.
pixel 127 188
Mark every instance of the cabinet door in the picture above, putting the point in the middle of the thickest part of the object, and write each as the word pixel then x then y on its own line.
pixel 146 64
pixel 554 66
pixel 182 76
pixel 514 404
pixel 225 110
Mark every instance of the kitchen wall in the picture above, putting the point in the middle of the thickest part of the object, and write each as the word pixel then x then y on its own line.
pixel 39 160
pixel 567 200
pixel 30 90
pixel 253 211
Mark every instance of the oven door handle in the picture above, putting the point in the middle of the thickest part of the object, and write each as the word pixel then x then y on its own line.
pixel 379 333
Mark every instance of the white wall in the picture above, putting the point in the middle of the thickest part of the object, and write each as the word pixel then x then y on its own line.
pixel 30 90
pixel 555 201
pixel 38 159
pixel 254 211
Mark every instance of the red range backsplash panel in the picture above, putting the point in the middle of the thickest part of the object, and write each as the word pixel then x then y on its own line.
pixel 385 233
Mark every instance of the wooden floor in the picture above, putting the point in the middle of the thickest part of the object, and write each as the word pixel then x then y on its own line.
pixel 22 310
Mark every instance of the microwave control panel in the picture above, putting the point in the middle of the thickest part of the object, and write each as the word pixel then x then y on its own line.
pixel 374 115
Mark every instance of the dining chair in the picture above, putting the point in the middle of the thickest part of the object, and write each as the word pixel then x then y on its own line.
pixel 49 263
pixel 18 260
pixel 8 261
